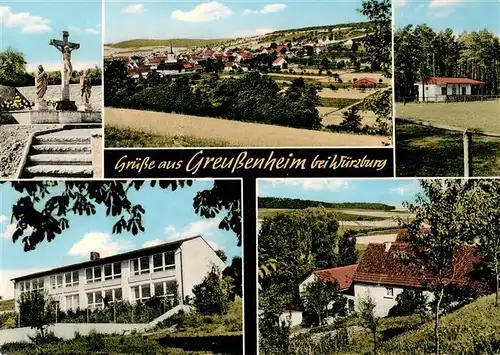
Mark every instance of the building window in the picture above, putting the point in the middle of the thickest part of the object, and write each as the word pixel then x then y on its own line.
pixel 140 266
pixel 142 292
pixel 443 90
pixel 350 305
pixel 56 281
pixel 71 279
pixel 163 261
pixel 464 91
pixel 389 292
pixel 453 90
pixel 31 285
pixel 165 289
pixel 112 271
pixel 93 274
pixel 94 299
pixel 72 302
pixel 113 295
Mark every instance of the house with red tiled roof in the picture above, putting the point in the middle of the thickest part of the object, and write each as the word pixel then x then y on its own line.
pixel 365 83
pixel 341 276
pixel 280 62
pixel 383 274
pixel 439 88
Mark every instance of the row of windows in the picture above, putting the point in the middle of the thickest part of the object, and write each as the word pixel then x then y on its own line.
pixel 141 293
pixel 139 266
pixel 31 285
pixel 96 299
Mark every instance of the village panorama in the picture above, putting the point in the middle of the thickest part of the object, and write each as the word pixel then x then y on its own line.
pixel 323 85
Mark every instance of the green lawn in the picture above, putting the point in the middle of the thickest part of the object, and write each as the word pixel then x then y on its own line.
pixel 482 115
pixel 126 138
pixel 339 103
pixel 430 152
pixel 270 212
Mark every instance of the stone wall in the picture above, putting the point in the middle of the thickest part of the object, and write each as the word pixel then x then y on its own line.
pixel 54 94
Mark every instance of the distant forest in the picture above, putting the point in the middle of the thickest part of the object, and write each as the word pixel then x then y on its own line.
pixel 295 203
pixel 420 53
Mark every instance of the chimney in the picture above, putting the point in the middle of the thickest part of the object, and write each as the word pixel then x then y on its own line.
pixel 94 256
pixel 387 246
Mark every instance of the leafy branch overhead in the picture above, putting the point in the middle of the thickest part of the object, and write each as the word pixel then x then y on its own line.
pixel 43 210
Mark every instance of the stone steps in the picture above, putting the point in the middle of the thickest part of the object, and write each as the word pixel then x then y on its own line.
pixel 53 156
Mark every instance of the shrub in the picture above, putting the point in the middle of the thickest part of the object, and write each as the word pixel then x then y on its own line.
pixel 211 295
pixel 410 302
pixel 351 119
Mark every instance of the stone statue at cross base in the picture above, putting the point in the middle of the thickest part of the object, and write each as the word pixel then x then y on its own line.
pixel 85 91
pixel 41 83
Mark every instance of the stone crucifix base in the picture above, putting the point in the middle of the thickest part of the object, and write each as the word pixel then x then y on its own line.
pixel 66 105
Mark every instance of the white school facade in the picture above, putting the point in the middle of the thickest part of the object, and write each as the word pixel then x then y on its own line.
pixel 133 276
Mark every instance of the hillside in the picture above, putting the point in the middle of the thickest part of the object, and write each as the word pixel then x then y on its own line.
pixel 294 203
pixel 473 329
pixel 6 305
pixel 176 42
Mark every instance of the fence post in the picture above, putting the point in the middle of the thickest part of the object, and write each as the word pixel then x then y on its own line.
pixel 467 136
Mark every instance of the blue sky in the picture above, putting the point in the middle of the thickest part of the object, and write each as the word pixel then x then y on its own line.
pixel 219 19
pixel 27 26
pixel 389 191
pixel 169 215
pixel 459 15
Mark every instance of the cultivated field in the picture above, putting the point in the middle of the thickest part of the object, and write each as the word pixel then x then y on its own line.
pixel 345 93
pixel 484 115
pixel 234 133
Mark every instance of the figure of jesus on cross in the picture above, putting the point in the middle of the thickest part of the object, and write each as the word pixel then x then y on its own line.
pixel 65 47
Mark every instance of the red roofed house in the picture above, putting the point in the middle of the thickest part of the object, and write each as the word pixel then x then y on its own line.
pixel 383 275
pixel 342 275
pixel 280 62
pixel 438 88
pixel 365 82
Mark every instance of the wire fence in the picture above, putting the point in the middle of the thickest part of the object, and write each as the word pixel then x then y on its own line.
pixel 445 98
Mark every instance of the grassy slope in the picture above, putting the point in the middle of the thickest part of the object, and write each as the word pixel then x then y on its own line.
pixel 429 152
pixel 477 115
pixel 269 212
pixel 470 330
pixel 176 42
pixel 6 305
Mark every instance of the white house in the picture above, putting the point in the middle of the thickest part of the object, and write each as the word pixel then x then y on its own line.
pixel 291 317
pixel 280 62
pixel 342 276
pixel 383 275
pixel 438 88
pixel 133 276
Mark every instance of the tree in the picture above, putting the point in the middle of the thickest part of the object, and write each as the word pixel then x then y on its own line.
pixel 221 254
pixel 36 310
pixel 299 243
pixel 348 254
pixel 234 271
pixel 410 302
pixel 211 295
pixel 12 67
pixel 351 119
pixel 480 214
pixel 318 295
pixel 435 249
pixel 45 206
pixel 378 41
pixel 368 318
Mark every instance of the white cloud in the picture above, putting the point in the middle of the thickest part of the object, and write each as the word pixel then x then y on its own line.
pixel 24 20
pixel 6 286
pixel 152 243
pixel 170 229
pixel 75 29
pixel 99 242
pixel 52 66
pixel 203 227
pixel 408 188
pixel 400 3
pixel 442 3
pixel 313 184
pixel 208 11
pixel 11 228
pixel 134 9
pixel 92 31
pixel 266 9
pixel 254 32
pixel 445 12
pixel 3 218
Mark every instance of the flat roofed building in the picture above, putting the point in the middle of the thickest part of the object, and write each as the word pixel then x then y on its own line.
pixel 132 276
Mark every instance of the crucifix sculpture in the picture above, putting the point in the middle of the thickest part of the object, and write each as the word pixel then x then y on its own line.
pixel 65 47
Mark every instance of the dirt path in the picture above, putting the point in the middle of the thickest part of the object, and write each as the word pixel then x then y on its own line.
pixel 239 134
